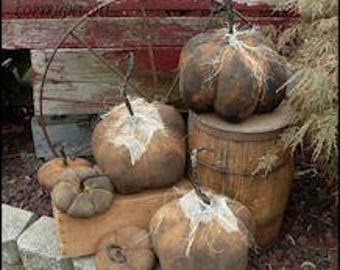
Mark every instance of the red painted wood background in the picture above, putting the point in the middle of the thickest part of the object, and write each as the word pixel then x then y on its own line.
pixel 76 8
pixel 40 24
pixel 37 24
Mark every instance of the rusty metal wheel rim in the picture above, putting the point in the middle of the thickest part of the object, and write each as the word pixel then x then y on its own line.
pixel 70 32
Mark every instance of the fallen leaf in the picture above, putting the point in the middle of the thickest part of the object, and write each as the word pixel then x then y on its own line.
pixel 291 239
pixel 308 264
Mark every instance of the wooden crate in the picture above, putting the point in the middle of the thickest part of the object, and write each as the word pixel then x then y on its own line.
pixel 71 131
pixel 79 237
pixel 75 74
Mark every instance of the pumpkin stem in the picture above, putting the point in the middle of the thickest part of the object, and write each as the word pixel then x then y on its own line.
pixel 64 156
pixel 81 186
pixel 127 77
pixel 201 194
pixel 115 253
pixel 230 14
pixel 194 161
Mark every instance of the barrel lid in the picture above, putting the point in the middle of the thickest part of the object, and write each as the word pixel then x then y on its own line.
pixel 280 118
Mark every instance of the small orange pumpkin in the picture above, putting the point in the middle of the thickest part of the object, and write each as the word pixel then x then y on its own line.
pixel 49 171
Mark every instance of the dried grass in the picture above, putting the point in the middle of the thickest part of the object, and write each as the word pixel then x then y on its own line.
pixel 311 46
pixel 266 164
pixel 255 58
pixel 308 9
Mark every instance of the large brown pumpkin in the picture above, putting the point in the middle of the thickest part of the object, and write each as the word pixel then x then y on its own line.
pixel 235 75
pixel 128 248
pixel 82 192
pixel 197 91
pixel 188 234
pixel 50 170
pixel 146 150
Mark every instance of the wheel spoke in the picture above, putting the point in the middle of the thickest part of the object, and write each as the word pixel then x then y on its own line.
pixel 114 69
pixel 69 100
pixel 150 50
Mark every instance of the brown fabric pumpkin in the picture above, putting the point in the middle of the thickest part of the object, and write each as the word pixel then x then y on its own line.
pixel 81 193
pixel 196 92
pixel 50 170
pixel 127 248
pixel 143 151
pixel 236 74
pixel 188 234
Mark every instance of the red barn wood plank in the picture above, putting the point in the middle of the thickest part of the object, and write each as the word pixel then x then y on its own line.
pixel 71 8
pixel 100 32
pixel 109 32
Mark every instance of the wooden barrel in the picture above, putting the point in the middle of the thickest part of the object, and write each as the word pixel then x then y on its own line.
pixel 247 162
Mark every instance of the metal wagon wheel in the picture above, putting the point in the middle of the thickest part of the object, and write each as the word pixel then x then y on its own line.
pixel 114 69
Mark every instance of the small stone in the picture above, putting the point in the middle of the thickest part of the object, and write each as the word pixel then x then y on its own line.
pixel 279 254
pixel 273 261
pixel 287 263
pixel 330 240
pixel 84 263
pixel 302 241
pixel 295 266
pixel 14 222
pixel 5 266
pixel 39 248
pixel 307 265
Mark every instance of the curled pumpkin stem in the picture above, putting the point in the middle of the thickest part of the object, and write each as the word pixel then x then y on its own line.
pixel 123 87
pixel 64 156
pixel 115 253
pixel 230 14
pixel 194 157
pixel 201 194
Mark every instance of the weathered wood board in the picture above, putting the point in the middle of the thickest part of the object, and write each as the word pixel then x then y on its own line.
pixel 120 32
pixel 65 93
pixel 77 74
pixel 81 65
pixel 79 237
pixel 70 131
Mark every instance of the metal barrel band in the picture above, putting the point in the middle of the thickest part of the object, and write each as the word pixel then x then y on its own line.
pixel 224 170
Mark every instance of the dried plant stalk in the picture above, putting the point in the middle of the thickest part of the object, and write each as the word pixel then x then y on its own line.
pixel 311 46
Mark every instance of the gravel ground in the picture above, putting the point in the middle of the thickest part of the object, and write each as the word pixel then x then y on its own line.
pixel 307 240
